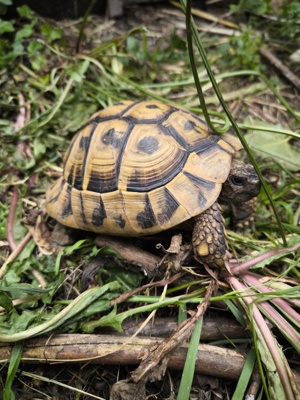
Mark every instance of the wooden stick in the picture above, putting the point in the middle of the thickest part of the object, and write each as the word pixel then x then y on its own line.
pixel 207 16
pixel 124 350
pixel 280 66
pixel 213 328
pixel 139 257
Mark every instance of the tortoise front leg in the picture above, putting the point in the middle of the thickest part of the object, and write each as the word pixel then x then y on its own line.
pixel 209 237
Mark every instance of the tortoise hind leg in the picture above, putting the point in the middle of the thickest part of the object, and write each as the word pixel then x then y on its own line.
pixel 209 237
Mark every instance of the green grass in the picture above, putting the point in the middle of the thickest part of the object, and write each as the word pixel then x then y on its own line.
pixel 47 97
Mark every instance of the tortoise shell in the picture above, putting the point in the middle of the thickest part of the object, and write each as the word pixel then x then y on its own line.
pixel 140 168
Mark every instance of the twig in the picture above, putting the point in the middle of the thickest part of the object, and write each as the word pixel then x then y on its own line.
pixel 148 262
pixel 254 385
pixel 117 350
pixel 158 356
pixel 15 253
pixel 280 66
pixel 207 16
pixel 21 117
pixel 163 282
pixel 213 328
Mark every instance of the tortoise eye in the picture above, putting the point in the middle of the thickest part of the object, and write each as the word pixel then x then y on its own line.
pixel 238 180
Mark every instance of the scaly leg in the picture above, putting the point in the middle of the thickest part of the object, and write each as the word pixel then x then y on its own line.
pixel 209 237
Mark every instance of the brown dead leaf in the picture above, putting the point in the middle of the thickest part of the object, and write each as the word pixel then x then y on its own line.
pixel 176 254
pixel 40 232
pixel 175 245
pixel 124 390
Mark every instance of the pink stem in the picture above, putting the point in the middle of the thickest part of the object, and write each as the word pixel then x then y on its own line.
pixel 266 333
pixel 237 269
pixel 281 303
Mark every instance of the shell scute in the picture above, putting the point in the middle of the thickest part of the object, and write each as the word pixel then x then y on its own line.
pixel 146 218
pixel 144 171
pixel 187 129
pixel 99 213
pixel 140 168
pixel 148 111
pixel 112 112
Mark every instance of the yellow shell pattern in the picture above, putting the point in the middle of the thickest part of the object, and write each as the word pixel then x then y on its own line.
pixel 140 168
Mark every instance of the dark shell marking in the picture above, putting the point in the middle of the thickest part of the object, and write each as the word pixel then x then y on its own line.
pixel 140 168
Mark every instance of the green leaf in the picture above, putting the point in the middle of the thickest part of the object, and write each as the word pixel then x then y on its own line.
pixel 25 11
pixel 269 144
pixel 38 62
pixel 39 148
pixel 133 45
pixel 77 72
pixel 128 280
pixel 76 115
pixel 111 319
pixel 274 384
pixel 34 46
pixel 61 318
pixel 25 32
pixel 6 302
pixel 18 48
pixel 24 321
pixel 6 2
pixel 51 33
pixel 176 42
pixel 6 26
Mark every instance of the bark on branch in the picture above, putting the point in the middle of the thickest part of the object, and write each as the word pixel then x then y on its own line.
pixel 124 350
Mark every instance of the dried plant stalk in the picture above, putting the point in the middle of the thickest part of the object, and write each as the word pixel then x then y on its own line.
pixel 124 350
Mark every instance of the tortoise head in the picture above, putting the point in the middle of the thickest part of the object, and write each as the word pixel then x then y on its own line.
pixel 241 185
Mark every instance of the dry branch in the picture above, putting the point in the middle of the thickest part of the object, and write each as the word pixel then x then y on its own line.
pixel 139 257
pixel 124 350
pixel 281 67
pixel 213 328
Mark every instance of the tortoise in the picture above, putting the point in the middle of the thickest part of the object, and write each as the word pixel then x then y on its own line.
pixel 142 168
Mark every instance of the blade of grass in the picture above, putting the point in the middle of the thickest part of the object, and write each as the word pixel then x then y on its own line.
pixel 14 361
pixel 245 376
pixel 83 23
pixel 61 384
pixel 279 300
pixel 186 6
pixel 194 69
pixel 116 320
pixel 34 123
pixel 191 29
pixel 189 365
pixel 236 312
pixel 76 306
